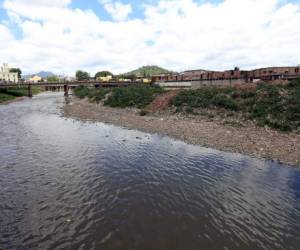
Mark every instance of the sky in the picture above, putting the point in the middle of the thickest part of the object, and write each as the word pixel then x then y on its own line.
pixel 63 36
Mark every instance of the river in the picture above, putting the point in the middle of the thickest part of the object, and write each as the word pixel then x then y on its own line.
pixel 67 184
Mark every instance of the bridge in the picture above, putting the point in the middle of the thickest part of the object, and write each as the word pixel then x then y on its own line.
pixel 67 85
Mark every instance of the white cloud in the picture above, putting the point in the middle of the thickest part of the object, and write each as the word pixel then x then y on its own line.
pixel 5 36
pixel 116 9
pixel 176 34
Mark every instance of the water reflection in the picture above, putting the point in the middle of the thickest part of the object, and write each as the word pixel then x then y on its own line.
pixel 72 185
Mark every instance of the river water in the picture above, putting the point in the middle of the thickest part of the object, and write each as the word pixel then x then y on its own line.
pixel 67 184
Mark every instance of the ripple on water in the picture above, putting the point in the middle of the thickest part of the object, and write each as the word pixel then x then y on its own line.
pixel 72 185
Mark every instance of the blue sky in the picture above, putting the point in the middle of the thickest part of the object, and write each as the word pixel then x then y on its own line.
pixel 100 11
pixel 97 8
pixel 120 35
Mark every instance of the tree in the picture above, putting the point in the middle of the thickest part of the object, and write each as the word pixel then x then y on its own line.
pixel 82 75
pixel 16 70
pixel 52 79
pixel 127 76
pixel 103 74
pixel 130 76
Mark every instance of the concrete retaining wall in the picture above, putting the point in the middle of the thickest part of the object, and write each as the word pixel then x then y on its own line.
pixel 197 84
pixel 175 84
pixel 232 82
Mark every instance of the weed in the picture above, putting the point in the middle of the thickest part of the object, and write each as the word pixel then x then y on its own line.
pixel 276 106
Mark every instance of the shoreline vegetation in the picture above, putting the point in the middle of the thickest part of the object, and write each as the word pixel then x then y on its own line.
pixel 261 121
pixel 14 94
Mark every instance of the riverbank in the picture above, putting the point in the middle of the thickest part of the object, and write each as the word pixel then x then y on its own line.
pixel 16 94
pixel 204 130
pixel 12 99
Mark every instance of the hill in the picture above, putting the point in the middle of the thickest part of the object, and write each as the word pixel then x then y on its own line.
pixel 147 71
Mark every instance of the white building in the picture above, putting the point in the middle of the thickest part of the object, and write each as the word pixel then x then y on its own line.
pixel 6 75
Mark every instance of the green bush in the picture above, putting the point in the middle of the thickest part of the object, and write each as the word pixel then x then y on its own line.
pixel 22 91
pixel 94 94
pixel 81 92
pixel 5 97
pixel 12 93
pixel 97 95
pixel 132 96
pixel 189 110
pixel 138 96
pixel 277 106
pixel 225 101
pixel 208 97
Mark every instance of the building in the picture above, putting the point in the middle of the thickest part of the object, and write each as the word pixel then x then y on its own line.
pixel 35 79
pixel 104 78
pixel 232 76
pixel 275 73
pixel 193 74
pixel 69 79
pixel 6 75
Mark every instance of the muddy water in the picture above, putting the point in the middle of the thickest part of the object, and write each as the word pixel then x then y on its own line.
pixel 65 184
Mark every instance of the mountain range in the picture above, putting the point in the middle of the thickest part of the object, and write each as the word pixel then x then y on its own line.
pixel 142 71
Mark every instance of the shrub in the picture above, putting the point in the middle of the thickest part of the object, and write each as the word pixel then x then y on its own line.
pixel 98 95
pixel 81 92
pixel 21 91
pixel 277 106
pixel 12 93
pixel 224 101
pixel 133 96
pixel 5 97
pixel 189 110
pixel 208 97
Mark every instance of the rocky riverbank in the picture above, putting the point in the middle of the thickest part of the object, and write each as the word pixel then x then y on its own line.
pixel 209 131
